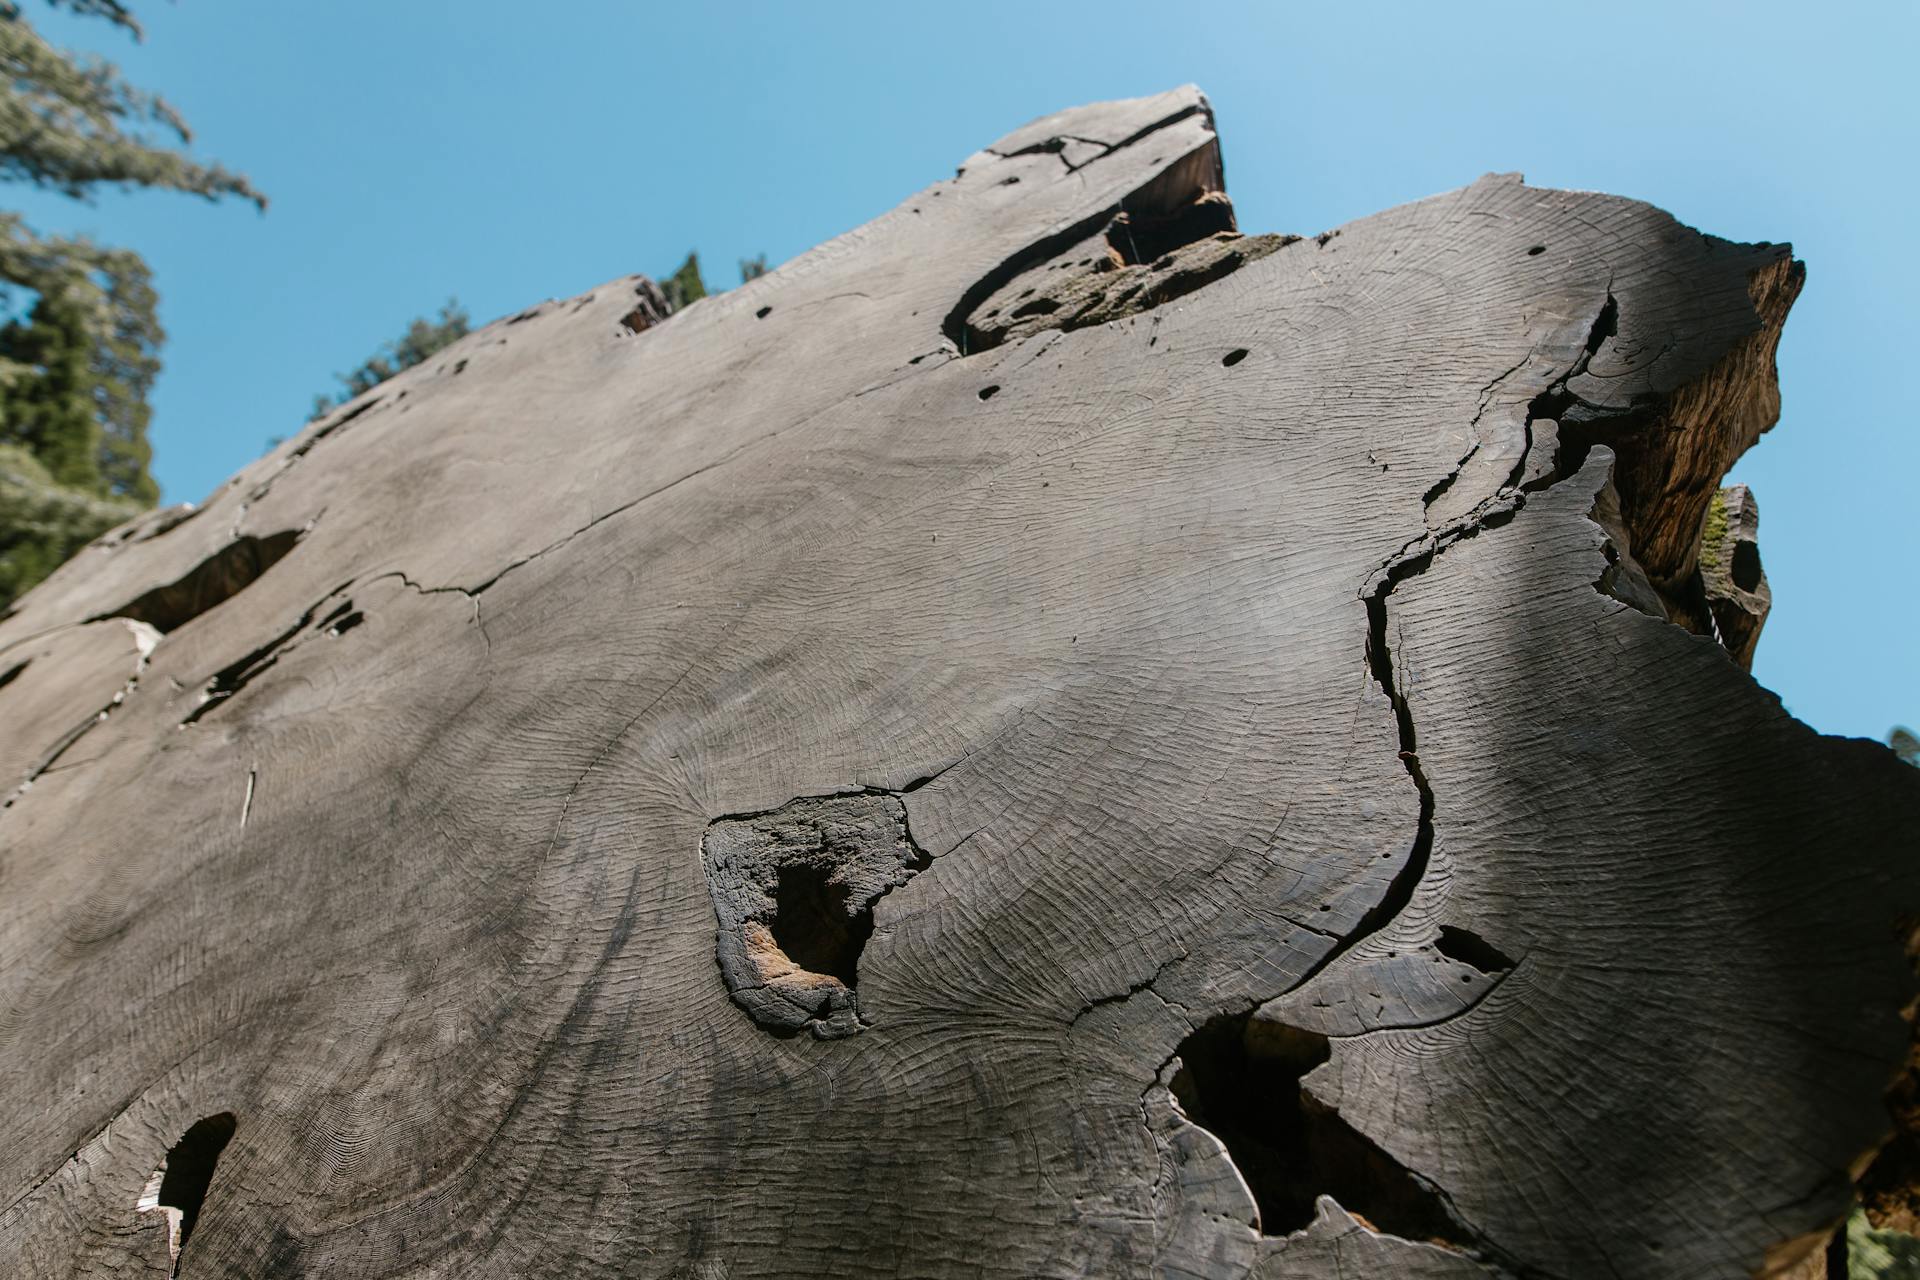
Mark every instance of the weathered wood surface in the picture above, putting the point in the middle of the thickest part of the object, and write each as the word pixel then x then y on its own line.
pixel 1245 732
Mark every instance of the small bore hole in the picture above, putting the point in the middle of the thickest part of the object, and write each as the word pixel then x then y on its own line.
pixel 988 393
pixel 1536 251
pixel 763 313
pixel 1234 357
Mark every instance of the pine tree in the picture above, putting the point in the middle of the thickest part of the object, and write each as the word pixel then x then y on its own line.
pixel 69 123
pixel 42 523
pixel 79 356
pixel 684 286
pixel 49 412
pixel 422 339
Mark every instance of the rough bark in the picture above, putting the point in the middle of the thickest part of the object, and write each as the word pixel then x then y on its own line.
pixel 1238 781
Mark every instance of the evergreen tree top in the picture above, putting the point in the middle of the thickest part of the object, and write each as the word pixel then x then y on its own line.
pixel 71 123
pixel 111 10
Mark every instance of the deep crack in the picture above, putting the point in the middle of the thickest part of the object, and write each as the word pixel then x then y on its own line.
pixel 1414 558
pixel 145 638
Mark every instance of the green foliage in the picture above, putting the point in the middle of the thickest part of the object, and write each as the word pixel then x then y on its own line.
pixel 70 123
pixel 112 10
pixel 1713 532
pixel 684 286
pixel 1874 1254
pixel 79 349
pixel 48 412
pixel 76 370
pixel 422 339
pixel 125 359
pixel 43 522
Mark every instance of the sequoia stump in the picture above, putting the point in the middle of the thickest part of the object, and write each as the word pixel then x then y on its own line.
pixel 1045 737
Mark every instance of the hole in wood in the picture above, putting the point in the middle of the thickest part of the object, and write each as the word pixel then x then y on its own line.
pixel 813 922
pixel 1239 1079
pixel 794 890
pixel 178 1187
pixel 1470 948
pixel 1746 566
pixel 988 393
pixel 214 581
pixel 1234 357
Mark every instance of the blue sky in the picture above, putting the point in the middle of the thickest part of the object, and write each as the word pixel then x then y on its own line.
pixel 506 153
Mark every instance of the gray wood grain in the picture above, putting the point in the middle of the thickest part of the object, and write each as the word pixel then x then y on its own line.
pixel 1250 831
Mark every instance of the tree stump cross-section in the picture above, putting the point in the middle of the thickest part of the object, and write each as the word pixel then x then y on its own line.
pixel 1045 720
